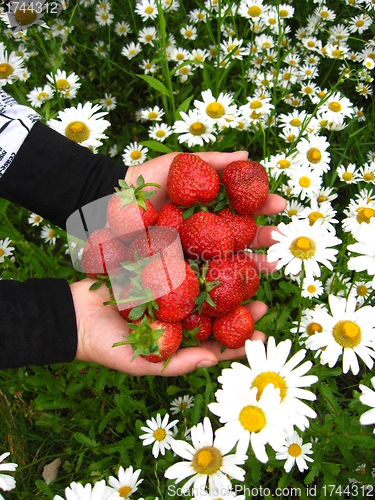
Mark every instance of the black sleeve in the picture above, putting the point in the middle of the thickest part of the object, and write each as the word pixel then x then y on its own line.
pixel 53 176
pixel 38 324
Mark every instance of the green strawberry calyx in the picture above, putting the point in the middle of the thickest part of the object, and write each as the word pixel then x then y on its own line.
pixel 129 194
pixel 190 337
pixel 143 338
pixel 206 287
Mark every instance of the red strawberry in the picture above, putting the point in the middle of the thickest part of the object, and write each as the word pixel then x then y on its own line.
pixel 154 240
pixel 205 235
pixel 243 228
pixel 129 210
pixel 102 253
pixel 174 286
pixel 192 180
pixel 228 291
pixel 246 184
pixel 248 271
pixel 198 323
pixel 170 215
pixel 233 329
pixel 153 340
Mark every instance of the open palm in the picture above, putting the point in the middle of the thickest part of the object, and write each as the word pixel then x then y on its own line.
pixel 99 326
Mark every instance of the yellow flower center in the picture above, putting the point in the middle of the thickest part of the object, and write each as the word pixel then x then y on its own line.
pixel 152 115
pixel 254 11
pixel 347 334
pixel 5 70
pixel 308 90
pixel 313 328
pixel 37 218
pixel 180 57
pixel 347 176
pixel 135 155
pixel 188 33
pixel 62 85
pixel 311 288
pixel 184 71
pixel 303 248
pixel 149 10
pixel 304 182
pixel 336 53
pixel 314 216
pixel 272 21
pixel 215 110
pixel 77 131
pixel 286 76
pixel 200 15
pixel 104 16
pixel 334 106
pixel 207 460
pixel 359 23
pixel 296 122
pixel 314 155
pixel 292 212
pixel 182 405
pixel 149 37
pixel 295 450
pixel 124 491
pixel 265 378
pixel 132 51
pixel 311 44
pixel 256 104
pixel 42 96
pixel 365 214
pixel 2 252
pixel 368 177
pixel 283 13
pixel 322 198
pixel 362 290
pixel 283 163
pixel 197 128
pixel 160 133
pixel 290 137
pixel 25 15
pixel 51 233
pixel 252 418
pixel 159 434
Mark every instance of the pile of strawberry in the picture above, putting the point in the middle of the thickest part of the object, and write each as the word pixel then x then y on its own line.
pixel 179 297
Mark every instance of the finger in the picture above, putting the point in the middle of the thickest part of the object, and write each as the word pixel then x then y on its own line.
pixel 263 237
pixel 257 309
pixel 220 160
pixel 274 204
pixel 264 267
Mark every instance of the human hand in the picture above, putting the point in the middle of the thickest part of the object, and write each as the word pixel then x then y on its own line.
pixel 100 326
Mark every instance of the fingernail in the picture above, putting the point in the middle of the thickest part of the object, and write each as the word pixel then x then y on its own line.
pixel 206 363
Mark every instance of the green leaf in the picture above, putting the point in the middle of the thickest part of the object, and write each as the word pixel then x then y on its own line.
pixel 44 488
pixel 197 410
pixel 85 440
pixel 184 106
pixel 333 405
pixel 156 146
pixel 155 84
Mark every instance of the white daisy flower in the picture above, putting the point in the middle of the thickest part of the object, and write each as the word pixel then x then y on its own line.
pixel 306 327
pixel 361 290
pixel 325 194
pixel 148 35
pixel 206 459
pixel 189 32
pixel 249 419
pixel 220 111
pixel 21 15
pixel 300 243
pixel 39 95
pixel 367 172
pixel 147 9
pixel 323 211
pixel 256 107
pixel 294 452
pixel 197 15
pixel 279 164
pixel 83 124
pixel 108 102
pixel 160 131
pixel 154 114
pixel 76 491
pixel 194 128
pixel 360 23
pixel 11 67
pixel 5 249
pixel 365 247
pixel 368 63
pixel 48 234
pixel 305 181
pixel 293 207
pixel 171 5
pixel 134 154
pixel 313 151
pixel 34 219
pixel 335 109
pixel 66 85
pixel 179 54
pixel 158 433
pixel 347 331
pixel 125 484
pixel 122 28
pixel 148 66
pixel 198 56
pixel 7 482
pixel 358 213
pixel 180 404
pixel 312 288
pixel 104 17
pixel 131 50
pixel 368 399
pixel 232 48
pixel 252 9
